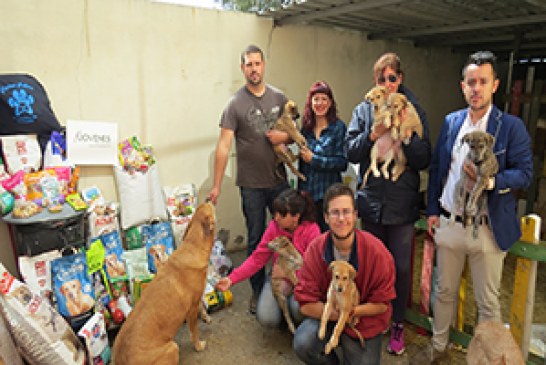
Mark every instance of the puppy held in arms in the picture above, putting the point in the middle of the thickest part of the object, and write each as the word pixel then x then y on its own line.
pixel 388 111
pixel 286 123
pixel 342 297
pixel 172 297
pixel 493 344
pixel 470 199
pixel 283 278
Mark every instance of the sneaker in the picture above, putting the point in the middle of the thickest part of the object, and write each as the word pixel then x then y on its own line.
pixel 396 342
pixel 252 303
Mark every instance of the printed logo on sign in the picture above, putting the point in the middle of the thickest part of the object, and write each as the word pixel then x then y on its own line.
pixel 21 102
pixel 92 139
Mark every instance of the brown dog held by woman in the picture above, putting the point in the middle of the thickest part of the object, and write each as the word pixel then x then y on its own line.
pixel 173 296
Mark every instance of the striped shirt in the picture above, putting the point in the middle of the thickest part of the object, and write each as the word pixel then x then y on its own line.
pixel 328 160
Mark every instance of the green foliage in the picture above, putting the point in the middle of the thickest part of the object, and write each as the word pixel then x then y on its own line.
pixel 253 6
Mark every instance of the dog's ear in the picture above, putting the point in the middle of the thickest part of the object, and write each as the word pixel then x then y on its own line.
pixel 331 266
pixel 352 272
pixel 489 139
pixel 466 138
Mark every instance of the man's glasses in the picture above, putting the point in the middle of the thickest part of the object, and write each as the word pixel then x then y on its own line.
pixel 392 79
pixel 338 213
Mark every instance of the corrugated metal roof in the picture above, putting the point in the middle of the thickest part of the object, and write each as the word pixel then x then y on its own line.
pixel 463 25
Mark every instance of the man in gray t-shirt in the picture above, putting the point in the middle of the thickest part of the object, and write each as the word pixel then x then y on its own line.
pixel 248 117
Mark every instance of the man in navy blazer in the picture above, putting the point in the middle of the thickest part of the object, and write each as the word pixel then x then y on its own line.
pixel 499 227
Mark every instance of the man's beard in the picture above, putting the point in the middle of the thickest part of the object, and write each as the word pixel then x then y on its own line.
pixel 341 238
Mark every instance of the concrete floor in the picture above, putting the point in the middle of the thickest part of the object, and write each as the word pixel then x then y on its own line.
pixel 235 337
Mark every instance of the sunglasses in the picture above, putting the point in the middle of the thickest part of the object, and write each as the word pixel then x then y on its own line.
pixel 392 78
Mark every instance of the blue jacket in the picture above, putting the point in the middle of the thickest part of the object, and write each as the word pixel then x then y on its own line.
pixel 384 201
pixel 513 152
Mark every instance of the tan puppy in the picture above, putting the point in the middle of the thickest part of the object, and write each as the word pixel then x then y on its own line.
pixel 385 147
pixel 173 296
pixel 77 302
pixel 288 262
pixel 286 124
pixel 397 103
pixel 493 344
pixel 342 296
pixel 469 197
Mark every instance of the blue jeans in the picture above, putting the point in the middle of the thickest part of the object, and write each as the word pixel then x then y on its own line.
pixel 254 202
pixel 268 312
pixel 310 349
pixel 398 240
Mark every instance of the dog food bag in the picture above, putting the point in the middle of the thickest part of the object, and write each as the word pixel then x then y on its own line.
pixel 36 272
pixel 8 351
pixel 39 331
pixel 113 262
pixel 136 262
pixel 158 239
pixel 92 196
pixel 72 286
pixel 141 196
pixel 95 338
pixel 21 152
pixel 133 238
pixel 102 221
pixel 219 260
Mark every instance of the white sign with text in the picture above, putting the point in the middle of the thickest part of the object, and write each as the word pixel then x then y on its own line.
pixel 91 142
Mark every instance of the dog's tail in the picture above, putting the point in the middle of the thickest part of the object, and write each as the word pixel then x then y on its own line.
pixel 360 338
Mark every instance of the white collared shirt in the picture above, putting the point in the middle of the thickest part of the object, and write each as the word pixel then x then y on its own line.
pixel 458 155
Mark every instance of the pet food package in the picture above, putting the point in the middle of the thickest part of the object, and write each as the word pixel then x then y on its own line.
pixel 8 351
pixel 133 238
pixel 181 203
pixel 113 262
pixel 21 153
pixel 39 331
pixel 36 272
pixel 141 196
pixel 158 239
pixel 103 220
pixel 55 151
pixel 95 338
pixel 219 260
pixel 72 286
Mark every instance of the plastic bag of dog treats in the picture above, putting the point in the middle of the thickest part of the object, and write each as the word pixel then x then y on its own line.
pixel 21 152
pixel 39 331
pixel 158 239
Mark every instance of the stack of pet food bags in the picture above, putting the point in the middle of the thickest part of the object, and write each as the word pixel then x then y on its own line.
pixel 220 265
pixel 26 188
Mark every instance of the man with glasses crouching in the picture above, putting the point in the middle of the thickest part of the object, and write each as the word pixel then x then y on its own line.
pixel 374 280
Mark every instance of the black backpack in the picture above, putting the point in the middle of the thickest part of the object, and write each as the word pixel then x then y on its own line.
pixel 25 108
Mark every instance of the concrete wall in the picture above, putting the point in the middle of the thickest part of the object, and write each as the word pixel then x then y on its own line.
pixel 165 72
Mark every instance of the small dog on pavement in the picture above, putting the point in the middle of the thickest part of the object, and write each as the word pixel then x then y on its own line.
pixel 342 296
pixel 283 278
pixel 493 344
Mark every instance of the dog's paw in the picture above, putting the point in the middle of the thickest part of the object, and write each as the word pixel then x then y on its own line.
pixel 329 347
pixel 321 333
pixel 200 346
